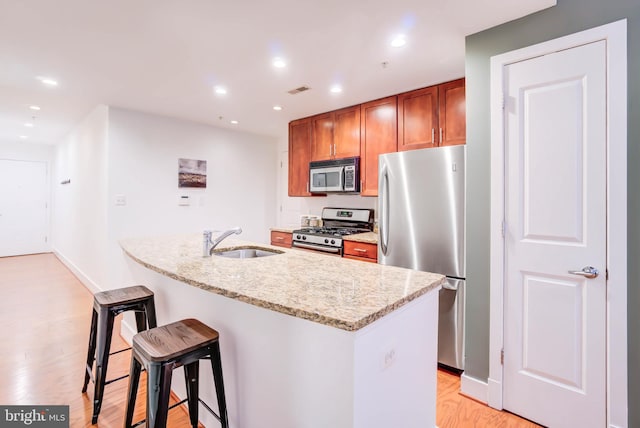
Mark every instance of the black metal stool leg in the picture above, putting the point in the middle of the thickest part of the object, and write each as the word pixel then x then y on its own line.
pixel 141 321
pixel 150 311
pixel 191 378
pixel 91 351
pixel 132 392
pixel 216 366
pixel 105 330
pixel 158 390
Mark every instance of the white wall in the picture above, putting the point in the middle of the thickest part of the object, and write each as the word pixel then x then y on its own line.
pixel 26 151
pixel 79 215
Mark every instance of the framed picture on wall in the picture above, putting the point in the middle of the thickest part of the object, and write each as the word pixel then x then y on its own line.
pixel 192 173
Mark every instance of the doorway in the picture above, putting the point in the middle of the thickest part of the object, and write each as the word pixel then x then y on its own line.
pixel 558 245
pixel 24 207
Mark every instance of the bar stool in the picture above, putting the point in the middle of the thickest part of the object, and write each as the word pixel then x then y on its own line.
pixel 106 305
pixel 162 349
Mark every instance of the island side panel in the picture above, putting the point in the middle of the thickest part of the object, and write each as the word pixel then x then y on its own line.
pixel 279 371
pixel 396 367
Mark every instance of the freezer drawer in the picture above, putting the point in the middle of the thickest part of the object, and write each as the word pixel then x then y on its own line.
pixel 451 324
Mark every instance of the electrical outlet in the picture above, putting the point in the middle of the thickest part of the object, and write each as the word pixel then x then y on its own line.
pixel 121 200
pixel 389 358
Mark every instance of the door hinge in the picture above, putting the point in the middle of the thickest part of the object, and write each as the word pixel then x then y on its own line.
pixel 503 228
pixel 280 164
pixel 502 357
pixel 606 274
pixel 503 102
pixel 46 239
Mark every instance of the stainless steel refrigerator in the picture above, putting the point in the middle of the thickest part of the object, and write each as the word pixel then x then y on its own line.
pixel 421 209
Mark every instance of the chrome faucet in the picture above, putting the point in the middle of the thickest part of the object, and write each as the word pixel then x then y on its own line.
pixel 209 244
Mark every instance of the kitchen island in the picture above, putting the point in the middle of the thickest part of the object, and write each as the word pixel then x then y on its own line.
pixel 307 340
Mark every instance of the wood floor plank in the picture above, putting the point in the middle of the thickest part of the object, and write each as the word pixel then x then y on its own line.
pixel 46 313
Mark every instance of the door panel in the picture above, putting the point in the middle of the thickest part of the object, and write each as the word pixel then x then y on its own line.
pixel 23 207
pixel 555 321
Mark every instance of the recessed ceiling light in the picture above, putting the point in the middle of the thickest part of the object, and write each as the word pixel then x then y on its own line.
pixel 37 108
pixel 279 63
pixel 398 41
pixel 220 90
pixel 234 122
pixel 23 137
pixel 277 108
pixel 28 125
pixel 48 81
pixel 336 89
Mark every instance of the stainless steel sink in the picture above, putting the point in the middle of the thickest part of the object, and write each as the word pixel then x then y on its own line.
pixel 246 252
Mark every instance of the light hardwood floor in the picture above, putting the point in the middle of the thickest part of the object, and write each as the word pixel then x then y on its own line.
pixel 45 320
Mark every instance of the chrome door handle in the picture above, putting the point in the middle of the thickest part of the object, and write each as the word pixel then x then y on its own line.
pixel 587 272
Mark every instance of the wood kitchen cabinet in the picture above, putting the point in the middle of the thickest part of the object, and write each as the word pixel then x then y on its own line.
pixel 433 116
pixel 299 157
pixel 360 251
pixel 418 119
pixel 452 115
pixel 336 134
pixel 281 239
pixel 378 135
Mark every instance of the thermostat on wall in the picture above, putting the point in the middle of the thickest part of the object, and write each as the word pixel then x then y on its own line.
pixel 184 200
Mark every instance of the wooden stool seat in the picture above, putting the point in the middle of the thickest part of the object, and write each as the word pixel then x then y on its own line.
pixel 160 350
pixel 122 296
pixel 106 306
pixel 170 341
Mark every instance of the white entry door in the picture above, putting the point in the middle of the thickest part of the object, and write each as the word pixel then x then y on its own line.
pixel 556 223
pixel 23 207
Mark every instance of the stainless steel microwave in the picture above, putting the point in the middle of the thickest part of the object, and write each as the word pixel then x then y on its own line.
pixel 335 176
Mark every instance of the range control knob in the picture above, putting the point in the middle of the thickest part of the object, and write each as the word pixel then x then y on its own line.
pixel 326 241
pixel 333 241
pixel 298 236
pixel 304 238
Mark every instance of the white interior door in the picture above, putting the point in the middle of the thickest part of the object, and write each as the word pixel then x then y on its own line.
pixel 23 207
pixel 556 202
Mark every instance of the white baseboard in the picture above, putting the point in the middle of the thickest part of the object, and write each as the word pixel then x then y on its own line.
pixel 474 388
pixel 84 279
pixel 127 331
pixel 494 398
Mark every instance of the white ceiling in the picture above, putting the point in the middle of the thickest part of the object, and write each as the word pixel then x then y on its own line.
pixel 165 57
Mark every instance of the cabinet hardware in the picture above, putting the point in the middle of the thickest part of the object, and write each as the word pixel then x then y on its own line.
pixel 279 238
pixel 360 250
pixel 433 135
pixel 440 136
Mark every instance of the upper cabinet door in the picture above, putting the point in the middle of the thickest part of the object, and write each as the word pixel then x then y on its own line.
pixel 322 137
pixel 346 132
pixel 452 113
pixel 299 157
pixel 378 135
pixel 418 119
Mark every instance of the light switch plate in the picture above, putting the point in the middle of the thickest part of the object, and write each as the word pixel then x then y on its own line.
pixel 121 200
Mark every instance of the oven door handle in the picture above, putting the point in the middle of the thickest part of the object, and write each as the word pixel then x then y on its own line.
pixel 317 248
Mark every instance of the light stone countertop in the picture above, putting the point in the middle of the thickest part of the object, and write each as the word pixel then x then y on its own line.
pixel 337 292
pixel 367 237
pixel 284 229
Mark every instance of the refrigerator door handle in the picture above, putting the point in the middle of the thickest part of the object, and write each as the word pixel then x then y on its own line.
pixel 384 215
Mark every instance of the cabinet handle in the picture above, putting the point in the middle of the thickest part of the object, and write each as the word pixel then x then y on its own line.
pixel 307 187
pixel 329 150
pixel 360 250
pixel 440 136
pixel 433 135
pixel 279 238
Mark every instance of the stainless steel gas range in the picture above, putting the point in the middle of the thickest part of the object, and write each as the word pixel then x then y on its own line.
pixel 337 222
